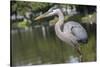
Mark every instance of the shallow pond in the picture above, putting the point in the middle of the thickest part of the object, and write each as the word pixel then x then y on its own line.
pixel 40 45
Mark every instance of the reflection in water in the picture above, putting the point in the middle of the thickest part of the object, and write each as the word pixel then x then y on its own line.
pixel 43 32
pixel 29 47
pixel 73 59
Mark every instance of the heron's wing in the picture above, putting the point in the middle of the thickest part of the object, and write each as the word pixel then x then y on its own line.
pixel 76 30
pixel 72 31
pixel 68 25
pixel 79 32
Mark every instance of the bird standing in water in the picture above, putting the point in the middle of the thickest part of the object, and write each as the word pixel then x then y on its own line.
pixel 73 33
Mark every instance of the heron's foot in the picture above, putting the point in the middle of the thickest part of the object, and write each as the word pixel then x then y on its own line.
pixel 80 58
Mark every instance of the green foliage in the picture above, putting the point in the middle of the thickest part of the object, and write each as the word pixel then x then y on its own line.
pixel 21 6
pixel 22 24
pixel 89 18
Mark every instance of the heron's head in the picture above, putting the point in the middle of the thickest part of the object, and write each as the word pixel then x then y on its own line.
pixel 51 12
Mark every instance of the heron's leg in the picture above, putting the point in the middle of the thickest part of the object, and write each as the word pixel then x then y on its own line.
pixel 77 48
pixel 79 52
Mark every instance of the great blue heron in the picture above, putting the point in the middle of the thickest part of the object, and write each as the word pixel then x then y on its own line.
pixel 72 33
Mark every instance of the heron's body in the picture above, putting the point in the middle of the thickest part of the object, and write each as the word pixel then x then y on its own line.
pixel 72 33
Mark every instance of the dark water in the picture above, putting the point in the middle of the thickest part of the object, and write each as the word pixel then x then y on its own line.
pixel 40 45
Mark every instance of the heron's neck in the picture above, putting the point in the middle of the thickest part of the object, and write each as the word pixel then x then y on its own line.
pixel 61 18
pixel 58 25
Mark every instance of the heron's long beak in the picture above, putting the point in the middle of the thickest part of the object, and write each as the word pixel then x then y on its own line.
pixel 47 14
pixel 39 17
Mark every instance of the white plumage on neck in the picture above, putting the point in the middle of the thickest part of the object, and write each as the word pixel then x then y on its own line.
pixel 58 25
